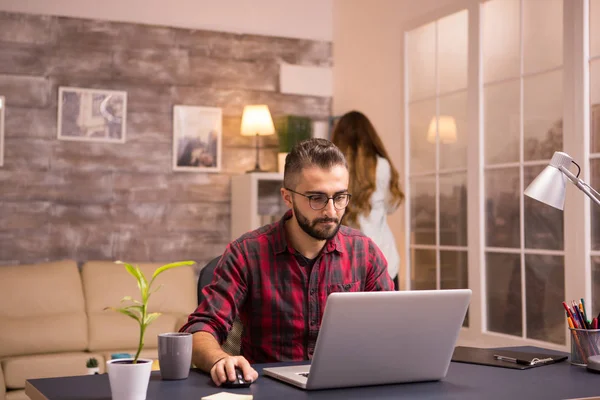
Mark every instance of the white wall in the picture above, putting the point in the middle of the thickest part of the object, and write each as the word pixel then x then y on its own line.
pixel 368 70
pixel 303 19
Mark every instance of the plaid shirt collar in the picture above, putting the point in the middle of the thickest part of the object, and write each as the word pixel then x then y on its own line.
pixel 280 243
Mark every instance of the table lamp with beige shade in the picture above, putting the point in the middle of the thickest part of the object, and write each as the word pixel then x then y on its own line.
pixel 446 128
pixel 257 121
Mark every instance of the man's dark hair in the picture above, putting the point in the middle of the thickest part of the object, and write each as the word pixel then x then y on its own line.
pixel 311 153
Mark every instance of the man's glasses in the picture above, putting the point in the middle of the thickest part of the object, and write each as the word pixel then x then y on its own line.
pixel 319 201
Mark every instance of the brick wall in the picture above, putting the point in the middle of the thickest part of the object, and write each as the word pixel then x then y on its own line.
pixel 107 201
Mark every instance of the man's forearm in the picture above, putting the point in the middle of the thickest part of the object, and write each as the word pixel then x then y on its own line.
pixel 206 351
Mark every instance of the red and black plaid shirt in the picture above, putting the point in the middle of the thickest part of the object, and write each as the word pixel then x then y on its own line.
pixel 280 306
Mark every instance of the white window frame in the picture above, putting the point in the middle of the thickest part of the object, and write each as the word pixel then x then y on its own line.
pixel 576 131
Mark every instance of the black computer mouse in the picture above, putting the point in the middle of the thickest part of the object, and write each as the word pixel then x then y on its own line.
pixel 239 381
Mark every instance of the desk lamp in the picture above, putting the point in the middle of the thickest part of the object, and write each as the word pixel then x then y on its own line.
pixel 257 121
pixel 550 185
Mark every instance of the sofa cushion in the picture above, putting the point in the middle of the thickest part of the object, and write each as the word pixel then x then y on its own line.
pixel 17 395
pixel 106 283
pixel 20 368
pixel 41 309
pixel 110 330
pixel 51 333
pixel 181 321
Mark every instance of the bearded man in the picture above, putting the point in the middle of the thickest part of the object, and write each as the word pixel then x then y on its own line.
pixel 276 279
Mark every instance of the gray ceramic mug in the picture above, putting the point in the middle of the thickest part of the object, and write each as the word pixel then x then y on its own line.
pixel 175 355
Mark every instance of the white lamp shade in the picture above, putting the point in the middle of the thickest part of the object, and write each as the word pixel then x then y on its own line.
pixel 446 129
pixel 550 185
pixel 257 120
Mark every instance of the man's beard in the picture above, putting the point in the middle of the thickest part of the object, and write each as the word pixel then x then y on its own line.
pixel 312 229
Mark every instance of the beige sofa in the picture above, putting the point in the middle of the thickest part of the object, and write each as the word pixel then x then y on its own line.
pixel 52 317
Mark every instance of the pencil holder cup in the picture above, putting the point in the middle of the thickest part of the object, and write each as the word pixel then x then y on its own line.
pixel 584 343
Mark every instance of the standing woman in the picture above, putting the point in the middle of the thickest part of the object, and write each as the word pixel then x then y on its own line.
pixel 373 184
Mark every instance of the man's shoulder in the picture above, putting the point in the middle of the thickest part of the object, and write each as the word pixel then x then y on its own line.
pixel 258 235
pixel 352 238
pixel 352 233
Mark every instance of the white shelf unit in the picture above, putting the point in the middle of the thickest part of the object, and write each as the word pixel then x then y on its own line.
pixel 255 201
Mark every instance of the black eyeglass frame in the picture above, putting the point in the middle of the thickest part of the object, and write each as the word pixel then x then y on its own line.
pixel 310 198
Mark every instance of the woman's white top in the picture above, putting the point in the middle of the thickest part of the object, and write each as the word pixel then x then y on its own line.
pixel 375 224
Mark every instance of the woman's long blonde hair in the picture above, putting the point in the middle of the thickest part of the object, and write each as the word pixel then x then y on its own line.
pixel 357 139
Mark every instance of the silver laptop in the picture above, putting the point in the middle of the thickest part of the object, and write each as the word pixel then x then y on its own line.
pixel 374 338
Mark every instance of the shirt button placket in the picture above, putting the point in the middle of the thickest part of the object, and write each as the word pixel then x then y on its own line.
pixel 313 309
pixel 313 321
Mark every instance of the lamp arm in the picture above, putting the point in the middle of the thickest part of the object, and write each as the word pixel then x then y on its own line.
pixel 581 185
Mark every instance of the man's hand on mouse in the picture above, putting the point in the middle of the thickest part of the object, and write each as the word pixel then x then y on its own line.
pixel 224 369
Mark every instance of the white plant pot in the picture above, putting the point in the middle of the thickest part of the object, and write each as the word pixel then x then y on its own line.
pixel 129 381
pixel 93 371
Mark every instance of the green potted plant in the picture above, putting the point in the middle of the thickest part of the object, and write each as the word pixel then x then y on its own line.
pixel 92 366
pixel 291 129
pixel 129 377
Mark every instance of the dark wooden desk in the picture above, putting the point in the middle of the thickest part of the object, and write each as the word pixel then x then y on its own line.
pixel 464 381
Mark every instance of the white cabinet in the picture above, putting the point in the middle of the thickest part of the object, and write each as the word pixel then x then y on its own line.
pixel 255 201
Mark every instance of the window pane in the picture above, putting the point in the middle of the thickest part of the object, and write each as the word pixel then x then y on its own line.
pixel 594 28
pixel 422 210
pixel 453 209
pixel 421 62
pixel 544 291
pixel 422 151
pixel 453 139
pixel 503 286
pixel 595 104
pixel 542 116
pixel 595 210
pixel 452 52
pixel 595 128
pixel 423 271
pixel 500 42
pixel 542 37
pixel 595 285
pixel 543 224
pixel 454 272
pixel 502 207
pixel 502 122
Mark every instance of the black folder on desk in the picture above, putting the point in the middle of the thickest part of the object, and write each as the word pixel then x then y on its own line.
pixel 526 360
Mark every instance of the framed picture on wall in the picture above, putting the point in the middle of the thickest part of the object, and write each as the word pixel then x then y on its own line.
pixel 197 138
pixel 92 115
pixel 2 108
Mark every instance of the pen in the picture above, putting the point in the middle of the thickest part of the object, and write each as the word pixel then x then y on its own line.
pixel 582 315
pixel 583 309
pixel 577 313
pixel 511 359
pixel 570 314
pixel 576 337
